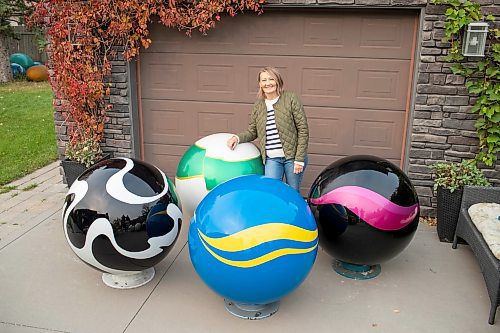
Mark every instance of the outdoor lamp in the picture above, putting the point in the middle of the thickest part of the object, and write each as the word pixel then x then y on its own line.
pixel 475 39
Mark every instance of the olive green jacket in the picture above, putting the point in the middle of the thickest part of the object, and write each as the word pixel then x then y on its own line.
pixel 291 122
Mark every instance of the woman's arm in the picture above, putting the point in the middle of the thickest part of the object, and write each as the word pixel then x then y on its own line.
pixel 300 119
pixel 251 133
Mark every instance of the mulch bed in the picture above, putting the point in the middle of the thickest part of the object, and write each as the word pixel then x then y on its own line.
pixel 432 221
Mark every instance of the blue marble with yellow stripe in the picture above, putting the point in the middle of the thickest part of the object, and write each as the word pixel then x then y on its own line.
pixel 253 239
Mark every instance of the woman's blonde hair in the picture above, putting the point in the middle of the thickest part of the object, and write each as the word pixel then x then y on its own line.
pixel 275 74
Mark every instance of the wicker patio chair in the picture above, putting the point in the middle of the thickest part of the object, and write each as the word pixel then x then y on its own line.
pixel 466 230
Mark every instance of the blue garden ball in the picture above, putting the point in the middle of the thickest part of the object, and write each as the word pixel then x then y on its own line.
pixel 17 70
pixel 121 216
pixel 366 208
pixel 253 240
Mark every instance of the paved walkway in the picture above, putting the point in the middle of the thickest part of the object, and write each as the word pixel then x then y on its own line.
pixel 44 287
pixel 37 198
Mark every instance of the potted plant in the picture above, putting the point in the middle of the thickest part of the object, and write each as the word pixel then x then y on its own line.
pixel 79 157
pixel 450 179
pixel 83 148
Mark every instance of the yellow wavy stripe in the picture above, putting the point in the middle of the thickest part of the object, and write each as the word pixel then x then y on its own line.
pixel 259 260
pixel 248 238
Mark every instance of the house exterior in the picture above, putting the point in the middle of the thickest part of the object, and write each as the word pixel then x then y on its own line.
pixel 371 74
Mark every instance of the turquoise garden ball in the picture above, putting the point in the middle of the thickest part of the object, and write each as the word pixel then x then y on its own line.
pixel 253 240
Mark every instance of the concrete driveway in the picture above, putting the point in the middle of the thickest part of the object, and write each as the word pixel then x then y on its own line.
pixel 44 287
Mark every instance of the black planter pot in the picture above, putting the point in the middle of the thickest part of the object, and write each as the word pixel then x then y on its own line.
pixel 448 209
pixel 72 170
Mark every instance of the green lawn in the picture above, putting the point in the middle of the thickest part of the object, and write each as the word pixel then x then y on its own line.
pixel 27 134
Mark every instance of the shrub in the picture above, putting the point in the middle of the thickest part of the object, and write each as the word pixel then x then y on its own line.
pixel 453 176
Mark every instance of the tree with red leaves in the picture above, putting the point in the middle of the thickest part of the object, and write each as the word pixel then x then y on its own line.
pixel 83 38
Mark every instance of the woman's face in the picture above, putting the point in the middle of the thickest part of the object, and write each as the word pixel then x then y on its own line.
pixel 268 85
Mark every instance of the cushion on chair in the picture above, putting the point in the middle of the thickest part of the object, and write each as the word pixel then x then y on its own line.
pixel 485 216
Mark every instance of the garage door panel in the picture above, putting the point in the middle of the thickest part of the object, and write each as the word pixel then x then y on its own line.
pixel 212 78
pixel 355 131
pixel 324 32
pixel 387 33
pixel 322 83
pixel 166 157
pixel 212 122
pixel 379 84
pixel 375 134
pixel 382 84
pixel 209 78
pixel 325 160
pixel 184 122
pixel 215 78
pixel 355 35
pixel 167 122
pixel 324 131
pixel 221 118
pixel 356 83
pixel 160 77
pixel 261 34
pixel 170 40
pixel 375 35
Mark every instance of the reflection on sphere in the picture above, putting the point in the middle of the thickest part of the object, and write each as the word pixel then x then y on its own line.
pixel 366 208
pixel 121 215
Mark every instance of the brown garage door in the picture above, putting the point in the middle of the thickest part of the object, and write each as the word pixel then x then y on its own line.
pixel 352 71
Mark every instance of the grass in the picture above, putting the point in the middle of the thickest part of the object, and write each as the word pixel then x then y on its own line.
pixel 5 189
pixel 27 134
pixel 29 187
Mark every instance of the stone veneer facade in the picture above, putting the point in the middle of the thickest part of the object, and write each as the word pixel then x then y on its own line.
pixel 441 125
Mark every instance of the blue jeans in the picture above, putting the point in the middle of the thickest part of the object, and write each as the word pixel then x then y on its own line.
pixel 278 167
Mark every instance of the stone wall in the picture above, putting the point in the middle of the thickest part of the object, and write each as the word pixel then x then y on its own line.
pixel 442 126
pixel 117 135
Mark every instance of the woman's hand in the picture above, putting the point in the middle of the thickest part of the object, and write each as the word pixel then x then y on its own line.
pixel 232 142
pixel 297 168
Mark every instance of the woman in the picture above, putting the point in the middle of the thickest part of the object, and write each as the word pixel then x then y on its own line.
pixel 279 122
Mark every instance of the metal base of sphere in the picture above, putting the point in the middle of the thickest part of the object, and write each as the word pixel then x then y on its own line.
pixel 356 271
pixel 128 281
pixel 251 311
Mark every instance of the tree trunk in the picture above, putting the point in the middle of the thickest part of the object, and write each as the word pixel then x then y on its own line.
pixel 5 71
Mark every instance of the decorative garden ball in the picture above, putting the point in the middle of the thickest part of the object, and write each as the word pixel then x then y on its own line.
pixel 37 73
pixel 253 240
pixel 17 70
pixel 121 216
pixel 22 59
pixel 367 213
pixel 208 163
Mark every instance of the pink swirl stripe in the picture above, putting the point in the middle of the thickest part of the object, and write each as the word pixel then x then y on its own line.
pixel 370 206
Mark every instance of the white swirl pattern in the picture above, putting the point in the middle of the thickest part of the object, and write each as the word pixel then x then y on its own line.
pixel 116 188
pixel 102 226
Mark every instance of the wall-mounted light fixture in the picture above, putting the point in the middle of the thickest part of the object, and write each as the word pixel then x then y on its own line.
pixel 475 39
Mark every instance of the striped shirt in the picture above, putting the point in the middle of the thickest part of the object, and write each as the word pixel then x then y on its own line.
pixel 273 142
